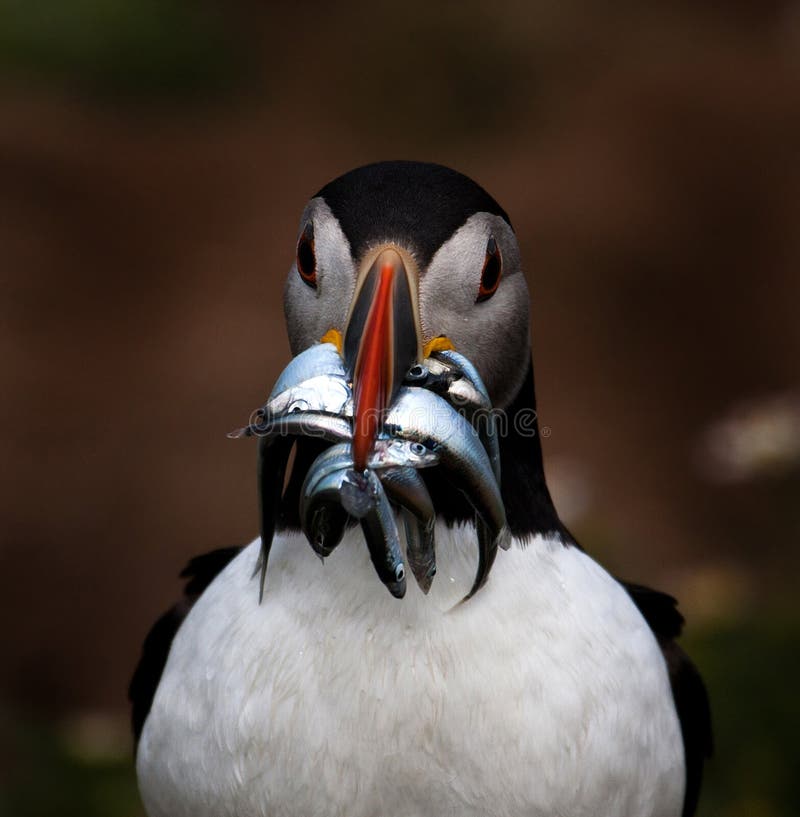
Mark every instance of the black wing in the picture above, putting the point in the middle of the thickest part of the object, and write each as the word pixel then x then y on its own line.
pixel 660 611
pixel 200 572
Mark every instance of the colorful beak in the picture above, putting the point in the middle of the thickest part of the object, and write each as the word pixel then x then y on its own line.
pixel 381 344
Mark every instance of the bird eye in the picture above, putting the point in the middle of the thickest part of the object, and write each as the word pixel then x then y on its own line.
pixel 492 271
pixel 306 258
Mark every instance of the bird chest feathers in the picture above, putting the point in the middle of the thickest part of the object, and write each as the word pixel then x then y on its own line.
pixel 331 698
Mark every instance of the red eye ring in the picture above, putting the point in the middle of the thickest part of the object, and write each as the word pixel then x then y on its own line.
pixel 492 271
pixel 306 257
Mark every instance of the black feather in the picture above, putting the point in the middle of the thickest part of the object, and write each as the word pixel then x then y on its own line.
pixel 200 572
pixel 661 613
pixel 529 507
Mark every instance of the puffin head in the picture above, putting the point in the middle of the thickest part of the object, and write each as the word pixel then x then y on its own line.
pixel 395 260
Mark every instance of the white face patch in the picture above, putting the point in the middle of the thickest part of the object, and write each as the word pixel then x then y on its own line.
pixel 310 312
pixel 493 333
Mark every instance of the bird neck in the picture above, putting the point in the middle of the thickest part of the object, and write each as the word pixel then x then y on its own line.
pixel 529 506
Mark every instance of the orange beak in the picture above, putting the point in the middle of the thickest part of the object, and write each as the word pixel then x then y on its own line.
pixel 380 346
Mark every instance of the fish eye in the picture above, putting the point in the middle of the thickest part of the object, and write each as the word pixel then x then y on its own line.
pixel 492 271
pixel 399 573
pixel 306 256
pixel 417 373
pixel 418 448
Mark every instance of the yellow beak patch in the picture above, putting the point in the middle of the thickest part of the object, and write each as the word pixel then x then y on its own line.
pixel 333 336
pixel 440 344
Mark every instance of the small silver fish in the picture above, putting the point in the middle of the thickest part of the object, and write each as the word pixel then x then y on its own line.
pixel 334 458
pixel 418 414
pixel 405 487
pixel 469 391
pixel 390 452
pixel 321 359
pixel 273 457
pixel 473 390
pixel 420 550
pixel 322 394
pixel 298 424
pixel 314 382
pixel 387 453
pixel 275 445
pixel 322 517
pixel 379 527
pixel 448 380
pixel 487 552
pixel 421 415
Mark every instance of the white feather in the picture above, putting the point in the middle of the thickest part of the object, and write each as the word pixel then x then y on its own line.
pixel 546 694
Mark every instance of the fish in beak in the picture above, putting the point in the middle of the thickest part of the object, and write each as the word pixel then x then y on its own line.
pixel 381 343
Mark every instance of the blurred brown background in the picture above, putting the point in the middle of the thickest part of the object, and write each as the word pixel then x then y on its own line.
pixel 154 159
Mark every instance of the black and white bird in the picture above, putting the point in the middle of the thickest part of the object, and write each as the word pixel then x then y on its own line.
pixel 555 690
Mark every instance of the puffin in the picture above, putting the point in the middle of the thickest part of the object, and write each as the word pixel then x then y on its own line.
pixel 556 689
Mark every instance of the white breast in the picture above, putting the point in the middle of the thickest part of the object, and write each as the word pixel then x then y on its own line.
pixel 546 694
